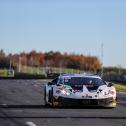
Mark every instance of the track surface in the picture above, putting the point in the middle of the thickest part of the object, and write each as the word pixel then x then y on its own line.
pixel 21 104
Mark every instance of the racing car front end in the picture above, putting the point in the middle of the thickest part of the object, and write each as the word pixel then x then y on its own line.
pixel 84 95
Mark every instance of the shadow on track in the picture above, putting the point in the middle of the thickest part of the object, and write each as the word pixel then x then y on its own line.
pixel 49 107
pixel 23 106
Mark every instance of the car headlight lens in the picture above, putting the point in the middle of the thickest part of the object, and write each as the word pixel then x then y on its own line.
pixel 105 92
pixel 112 92
pixel 63 91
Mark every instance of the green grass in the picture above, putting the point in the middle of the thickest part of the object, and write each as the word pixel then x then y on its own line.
pixel 6 73
pixel 120 87
pixel 3 73
pixel 42 70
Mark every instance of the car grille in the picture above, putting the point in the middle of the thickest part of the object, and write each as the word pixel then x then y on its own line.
pixel 69 101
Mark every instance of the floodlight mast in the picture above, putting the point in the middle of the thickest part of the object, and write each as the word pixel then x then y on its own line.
pixel 102 55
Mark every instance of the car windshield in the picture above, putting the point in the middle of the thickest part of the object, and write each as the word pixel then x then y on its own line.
pixel 88 81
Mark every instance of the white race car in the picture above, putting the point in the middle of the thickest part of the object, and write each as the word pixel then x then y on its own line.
pixel 79 90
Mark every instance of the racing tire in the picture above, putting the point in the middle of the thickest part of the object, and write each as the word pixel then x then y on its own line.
pixel 51 96
pixel 116 99
pixel 53 102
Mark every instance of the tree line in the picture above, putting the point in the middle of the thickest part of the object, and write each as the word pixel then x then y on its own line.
pixel 49 59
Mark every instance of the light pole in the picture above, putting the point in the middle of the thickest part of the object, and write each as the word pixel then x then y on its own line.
pixel 10 64
pixel 102 55
pixel 19 64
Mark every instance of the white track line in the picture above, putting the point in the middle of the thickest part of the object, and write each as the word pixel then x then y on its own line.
pixel 30 124
pixel 3 104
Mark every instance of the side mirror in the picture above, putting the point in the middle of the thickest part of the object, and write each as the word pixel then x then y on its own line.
pixel 110 84
pixel 50 83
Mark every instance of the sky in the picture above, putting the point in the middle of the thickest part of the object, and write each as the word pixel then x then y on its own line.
pixel 73 26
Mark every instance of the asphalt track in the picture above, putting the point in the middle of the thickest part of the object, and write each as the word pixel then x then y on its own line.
pixel 21 104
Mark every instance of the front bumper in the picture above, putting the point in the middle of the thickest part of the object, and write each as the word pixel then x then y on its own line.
pixel 106 102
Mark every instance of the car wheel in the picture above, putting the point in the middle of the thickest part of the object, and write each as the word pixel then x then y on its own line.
pixel 116 99
pixel 53 102
pixel 51 97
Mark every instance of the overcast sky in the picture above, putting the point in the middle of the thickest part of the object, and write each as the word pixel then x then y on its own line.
pixel 78 26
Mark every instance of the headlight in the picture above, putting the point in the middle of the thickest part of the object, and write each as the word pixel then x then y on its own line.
pixel 112 92
pixel 63 91
pixel 105 92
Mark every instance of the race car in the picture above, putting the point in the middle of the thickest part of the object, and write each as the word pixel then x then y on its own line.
pixel 79 90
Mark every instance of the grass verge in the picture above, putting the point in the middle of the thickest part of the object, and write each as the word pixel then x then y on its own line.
pixel 3 73
pixel 120 87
